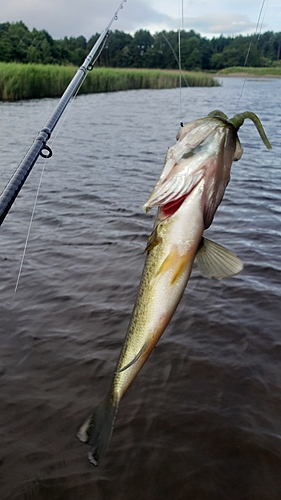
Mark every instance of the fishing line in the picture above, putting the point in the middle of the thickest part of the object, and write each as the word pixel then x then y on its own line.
pixel 179 61
pixel 53 140
pixel 249 49
pixel 258 22
pixel 102 47
pixel 261 25
pixel 175 56
pixel 29 229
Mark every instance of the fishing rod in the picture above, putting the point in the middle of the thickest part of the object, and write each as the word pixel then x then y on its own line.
pixel 39 146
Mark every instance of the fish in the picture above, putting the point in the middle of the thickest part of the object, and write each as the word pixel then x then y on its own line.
pixel 187 194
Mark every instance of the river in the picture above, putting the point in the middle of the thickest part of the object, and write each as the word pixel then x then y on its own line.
pixel 202 420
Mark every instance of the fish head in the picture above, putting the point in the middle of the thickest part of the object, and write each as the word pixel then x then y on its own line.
pixel 224 147
pixel 204 151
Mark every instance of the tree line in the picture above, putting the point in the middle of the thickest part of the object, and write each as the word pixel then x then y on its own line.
pixel 141 50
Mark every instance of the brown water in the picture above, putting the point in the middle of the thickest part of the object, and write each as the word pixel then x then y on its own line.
pixel 202 420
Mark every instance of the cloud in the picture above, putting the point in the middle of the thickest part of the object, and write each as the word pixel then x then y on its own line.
pixel 83 17
pixel 86 17
pixel 224 24
pixel 141 15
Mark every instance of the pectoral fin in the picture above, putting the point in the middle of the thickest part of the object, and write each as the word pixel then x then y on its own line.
pixel 153 240
pixel 216 261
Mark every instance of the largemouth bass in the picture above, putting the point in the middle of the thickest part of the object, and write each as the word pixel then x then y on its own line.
pixel 189 190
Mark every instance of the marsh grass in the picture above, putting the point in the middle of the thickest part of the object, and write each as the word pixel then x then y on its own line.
pixel 111 79
pixel 25 81
pixel 28 81
pixel 262 72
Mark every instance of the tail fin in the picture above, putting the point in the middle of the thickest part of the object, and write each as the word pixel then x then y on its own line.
pixel 97 430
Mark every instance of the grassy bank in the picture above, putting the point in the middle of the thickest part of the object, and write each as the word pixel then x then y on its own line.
pixel 27 81
pixel 259 72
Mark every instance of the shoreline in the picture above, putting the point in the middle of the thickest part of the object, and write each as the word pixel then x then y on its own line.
pixel 248 72
pixel 245 75
pixel 20 81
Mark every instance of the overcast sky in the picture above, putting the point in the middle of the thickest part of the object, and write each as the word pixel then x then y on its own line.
pixel 86 17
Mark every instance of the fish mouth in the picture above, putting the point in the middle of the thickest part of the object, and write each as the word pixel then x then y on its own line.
pixel 171 207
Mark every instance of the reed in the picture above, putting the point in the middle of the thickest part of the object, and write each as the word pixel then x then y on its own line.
pixel 29 81
pixel 111 79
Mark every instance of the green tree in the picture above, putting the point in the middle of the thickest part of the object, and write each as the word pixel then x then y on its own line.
pixel 142 50
pixel 191 55
pixel 19 36
pixel 114 54
pixel 6 50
